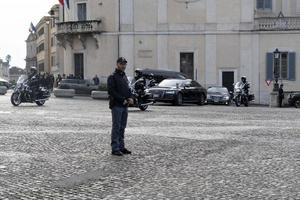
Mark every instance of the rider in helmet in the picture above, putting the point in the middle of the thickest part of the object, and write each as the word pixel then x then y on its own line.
pixel 33 81
pixel 151 80
pixel 244 79
pixel 244 84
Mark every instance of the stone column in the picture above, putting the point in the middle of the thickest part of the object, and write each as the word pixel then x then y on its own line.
pixel 210 60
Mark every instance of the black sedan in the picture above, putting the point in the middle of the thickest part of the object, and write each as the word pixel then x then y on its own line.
pixel 179 91
pixel 218 95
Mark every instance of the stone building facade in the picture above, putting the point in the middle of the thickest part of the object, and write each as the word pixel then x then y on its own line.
pixel 213 41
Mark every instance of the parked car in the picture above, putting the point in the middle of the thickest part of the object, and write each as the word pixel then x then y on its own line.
pixel 160 75
pixel 218 95
pixel 179 91
pixel 80 86
pixel 5 83
pixel 294 99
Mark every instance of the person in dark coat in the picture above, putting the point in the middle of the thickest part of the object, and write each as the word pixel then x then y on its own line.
pixel 280 95
pixel 120 97
pixel 96 80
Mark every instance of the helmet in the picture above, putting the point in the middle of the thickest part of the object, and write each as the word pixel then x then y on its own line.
pixel 151 76
pixel 33 70
pixel 138 74
pixel 243 78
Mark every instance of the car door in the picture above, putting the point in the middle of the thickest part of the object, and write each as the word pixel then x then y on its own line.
pixel 79 86
pixel 187 91
pixel 197 90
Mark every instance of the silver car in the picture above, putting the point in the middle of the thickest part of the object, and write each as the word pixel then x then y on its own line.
pixel 218 95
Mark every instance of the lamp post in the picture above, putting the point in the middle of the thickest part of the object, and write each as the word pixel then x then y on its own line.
pixel 276 54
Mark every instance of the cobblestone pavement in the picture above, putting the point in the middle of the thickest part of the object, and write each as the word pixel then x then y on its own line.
pixel 62 151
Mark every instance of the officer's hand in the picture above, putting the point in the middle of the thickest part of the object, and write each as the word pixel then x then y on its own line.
pixel 130 101
pixel 125 102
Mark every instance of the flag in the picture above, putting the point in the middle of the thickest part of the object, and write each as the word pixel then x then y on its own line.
pixel 32 27
pixel 61 2
pixel 68 5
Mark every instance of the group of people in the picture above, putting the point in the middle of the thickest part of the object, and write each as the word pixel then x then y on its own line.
pixel 35 79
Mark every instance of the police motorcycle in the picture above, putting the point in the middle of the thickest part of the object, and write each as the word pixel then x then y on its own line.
pixel 241 93
pixel 142 98
pixel 23 93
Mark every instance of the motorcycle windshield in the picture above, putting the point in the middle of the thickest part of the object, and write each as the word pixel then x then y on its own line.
pixel 238 85
pixel 22 78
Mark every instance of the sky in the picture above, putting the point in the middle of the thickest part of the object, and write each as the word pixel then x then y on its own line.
pixel 15 19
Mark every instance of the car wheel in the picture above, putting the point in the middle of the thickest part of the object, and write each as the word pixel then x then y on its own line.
pixel 201 100
pixel 297 103
pixel 178 100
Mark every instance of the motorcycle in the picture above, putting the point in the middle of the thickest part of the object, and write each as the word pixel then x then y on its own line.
pixel 23 93
pixel 241 94
pixel 141 97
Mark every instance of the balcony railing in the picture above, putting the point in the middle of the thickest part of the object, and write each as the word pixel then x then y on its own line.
pixel 79 27
pixel 277 23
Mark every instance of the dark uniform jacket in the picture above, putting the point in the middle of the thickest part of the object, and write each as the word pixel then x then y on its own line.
pixel 118 88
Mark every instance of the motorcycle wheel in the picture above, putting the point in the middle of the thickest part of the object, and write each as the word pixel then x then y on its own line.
pixel 40 103
pixel 238 101
pixel 15 99
pixel 246 103
pixel 297 103
pixel 143 108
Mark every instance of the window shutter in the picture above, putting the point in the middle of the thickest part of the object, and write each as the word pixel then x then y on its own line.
pixel 292 66
pixel 269 70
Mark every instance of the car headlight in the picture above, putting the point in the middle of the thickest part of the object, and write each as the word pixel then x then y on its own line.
pixel 226 97
pixel 208 96
pixel 170 92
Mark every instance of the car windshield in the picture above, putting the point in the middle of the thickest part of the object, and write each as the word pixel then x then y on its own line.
pixel 171 83
pixel 217 90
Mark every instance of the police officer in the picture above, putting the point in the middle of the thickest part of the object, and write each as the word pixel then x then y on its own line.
pixel 120 97
pixel 33 81
pixel 280 95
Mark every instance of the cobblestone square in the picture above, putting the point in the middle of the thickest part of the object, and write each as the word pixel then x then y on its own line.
pixel 62 151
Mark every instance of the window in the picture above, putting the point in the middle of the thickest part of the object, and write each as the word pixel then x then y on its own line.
pixel 264 4
pixel 52 60
pixel 41 31
pixel 285 66
pixel 81 11
pixel 283 73
pixel 41 67
pixel 40 48
pixel 52 41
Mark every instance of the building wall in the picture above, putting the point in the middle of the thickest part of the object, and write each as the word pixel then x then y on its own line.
pixel 152 34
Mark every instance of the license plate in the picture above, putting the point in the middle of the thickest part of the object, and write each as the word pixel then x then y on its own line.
pixel 156 95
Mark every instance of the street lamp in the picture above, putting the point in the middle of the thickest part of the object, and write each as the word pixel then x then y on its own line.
pixel 276 54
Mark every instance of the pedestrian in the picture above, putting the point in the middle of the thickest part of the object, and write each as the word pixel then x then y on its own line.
pixel 58 79
pixel 96 80
pixel 120 97
pixel 280 95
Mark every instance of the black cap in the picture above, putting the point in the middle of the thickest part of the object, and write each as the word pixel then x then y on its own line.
pixel 122 60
